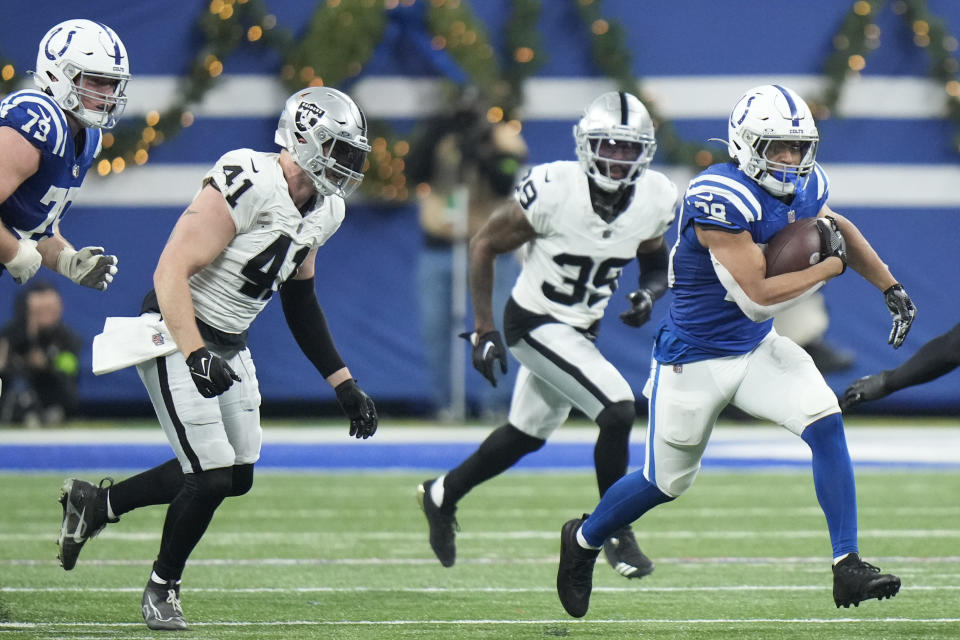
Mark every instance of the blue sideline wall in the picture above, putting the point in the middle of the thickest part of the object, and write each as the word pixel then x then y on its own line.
pixel 366 272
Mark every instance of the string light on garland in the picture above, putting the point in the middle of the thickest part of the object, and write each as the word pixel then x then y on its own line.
pixel 343 34
pixel 613 57
pixel 227 24
pixel 859 35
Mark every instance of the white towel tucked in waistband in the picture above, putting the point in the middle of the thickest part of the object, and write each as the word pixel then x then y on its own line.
pixel 125 342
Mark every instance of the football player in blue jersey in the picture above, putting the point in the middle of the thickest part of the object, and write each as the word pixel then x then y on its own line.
pixel 49 138
pixel 717 346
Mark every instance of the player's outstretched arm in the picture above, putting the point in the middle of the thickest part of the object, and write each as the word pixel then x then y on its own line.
pixel 863 259
pixel 506 229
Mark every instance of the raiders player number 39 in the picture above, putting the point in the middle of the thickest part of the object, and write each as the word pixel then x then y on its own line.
pixel 577 225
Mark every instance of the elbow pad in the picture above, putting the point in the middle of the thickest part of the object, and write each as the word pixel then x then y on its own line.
pixel 754 311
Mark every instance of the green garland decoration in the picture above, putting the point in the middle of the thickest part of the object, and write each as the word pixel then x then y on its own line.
pixel 859 36
pixel 343 34
pixel 340 39
pixel 613 58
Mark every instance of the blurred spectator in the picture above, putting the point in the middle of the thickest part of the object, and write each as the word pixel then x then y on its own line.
pixel 805 323
pixel 467 166
pixel 38 360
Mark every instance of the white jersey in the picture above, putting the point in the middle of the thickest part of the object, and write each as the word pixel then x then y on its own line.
pixel 272 239
pixel 571 268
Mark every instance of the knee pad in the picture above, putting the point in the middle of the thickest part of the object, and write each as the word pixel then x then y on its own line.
pixel 212 485
pixel 242 479
pixel 618 417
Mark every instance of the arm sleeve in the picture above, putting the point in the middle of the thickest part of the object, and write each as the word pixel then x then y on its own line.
pixel 937 357
pixel 653 270
pixel 309 326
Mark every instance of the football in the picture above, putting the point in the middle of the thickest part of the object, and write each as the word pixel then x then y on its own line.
pixel 795 247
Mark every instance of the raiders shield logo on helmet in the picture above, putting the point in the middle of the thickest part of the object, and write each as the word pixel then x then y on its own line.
pixel 308 115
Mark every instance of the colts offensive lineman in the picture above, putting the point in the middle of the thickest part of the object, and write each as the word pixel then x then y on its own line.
pixel 255 225
pixel 717 345
pixel 580 224
pixel 48 140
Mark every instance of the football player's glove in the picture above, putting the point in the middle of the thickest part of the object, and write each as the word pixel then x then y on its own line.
pixel 866 388
pixel 89 266
pixel 26 262
pixel 641 306
pixel 903 312
pixel 357 406
pixel 210 373
pixel 831 240
pixel 487 350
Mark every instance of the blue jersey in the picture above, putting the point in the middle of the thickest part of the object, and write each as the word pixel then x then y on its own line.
pixel 35 208
pixel 703 322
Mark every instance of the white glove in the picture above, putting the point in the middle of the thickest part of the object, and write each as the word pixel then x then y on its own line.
pixel 89 267
pixel 26 262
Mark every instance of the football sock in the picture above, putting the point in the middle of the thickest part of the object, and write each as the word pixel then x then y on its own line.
pixel 628 499
pixel 833 481
pixel 111 515
pixel 611 454
pixel 158 485
pixel 436 491
pixel 188 516
pixel 500 451
pixel 583 541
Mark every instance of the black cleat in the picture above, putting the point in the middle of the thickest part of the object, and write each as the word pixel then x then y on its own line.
pixel 575 573
pixel 443 526
pixel 84 516
pixel 625 556
pixel 161 607
pixel 855 581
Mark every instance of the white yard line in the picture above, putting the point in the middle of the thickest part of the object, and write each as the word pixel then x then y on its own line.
pixel 679 621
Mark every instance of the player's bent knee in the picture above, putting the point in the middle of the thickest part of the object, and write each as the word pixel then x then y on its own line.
pixel 675 485
pixel 242 479
pixel 212 485
pixel 618 417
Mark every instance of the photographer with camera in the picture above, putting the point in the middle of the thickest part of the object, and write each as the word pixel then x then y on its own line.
pixel 464 166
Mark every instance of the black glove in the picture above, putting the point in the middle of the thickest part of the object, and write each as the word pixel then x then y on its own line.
pixel 831 240
pixel 903 312
pixel 867 388
pixel 210 373
pixel 487 350
pixel 357 406
pixel 641 302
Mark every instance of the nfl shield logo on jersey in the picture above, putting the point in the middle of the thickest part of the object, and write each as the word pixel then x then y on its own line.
pixel 76 170
pixel 791 216
pixel 158 339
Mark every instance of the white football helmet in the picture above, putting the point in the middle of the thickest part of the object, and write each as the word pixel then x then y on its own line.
pixel 326 133
pixel 78 49
pixel 615 140
pixel 768 118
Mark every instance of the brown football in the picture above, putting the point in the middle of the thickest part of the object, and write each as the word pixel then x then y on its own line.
pixel 795 247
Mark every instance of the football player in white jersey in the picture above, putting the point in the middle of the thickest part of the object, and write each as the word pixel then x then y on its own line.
pixel 717 345
pixel 49 138
pixel 254 228
pixel 578 223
